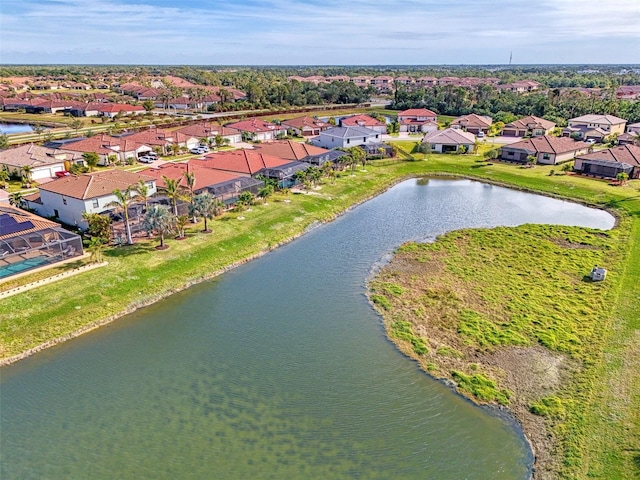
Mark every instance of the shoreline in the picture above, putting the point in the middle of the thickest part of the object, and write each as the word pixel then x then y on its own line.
pixel 189 283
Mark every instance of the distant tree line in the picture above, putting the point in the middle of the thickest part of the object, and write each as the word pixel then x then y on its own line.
pixel 552 104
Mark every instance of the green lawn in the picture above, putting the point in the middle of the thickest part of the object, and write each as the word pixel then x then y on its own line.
pixel 605 430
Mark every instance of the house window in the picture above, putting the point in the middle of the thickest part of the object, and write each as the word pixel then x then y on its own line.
pixel 545 156
pixel 348 140
pixel 433 146
pixel 95 203
pixel 64 201
pixel 511 154
pixel 56 214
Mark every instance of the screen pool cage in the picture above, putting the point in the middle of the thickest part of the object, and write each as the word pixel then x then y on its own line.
pixel 25 246
pixel 229 191
pixel 284 174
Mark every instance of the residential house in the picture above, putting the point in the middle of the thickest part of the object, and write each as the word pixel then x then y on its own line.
pixel 210 131
pixel 530 126
pixel 594 126
pixel 361 80
pixel 105 146
pixel 450 140
pixel 300 152
pixel 112 109
pixel 547 150
pixel 427 81
pixel 418 120
pixel 633 128
pixel 252 163
pixel 258 130
pixel 44 162
pixel 306 126
pixel 364 121
pixel 346 137
pixel 472 123
pixel 69 197
pixel 225 186
pixel 383 83
pixel 610 162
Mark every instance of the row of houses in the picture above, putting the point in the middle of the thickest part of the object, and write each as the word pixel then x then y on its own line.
pixel 387 83
pixel 71 107
pixel 223 174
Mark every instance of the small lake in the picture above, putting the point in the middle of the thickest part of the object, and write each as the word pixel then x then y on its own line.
pixel 8 128
pixel 277 369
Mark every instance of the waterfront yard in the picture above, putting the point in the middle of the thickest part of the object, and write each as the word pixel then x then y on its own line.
pixel 598 428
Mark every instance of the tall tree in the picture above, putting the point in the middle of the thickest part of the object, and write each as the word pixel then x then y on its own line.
pixel 159 219
pixel 91 159
pixel 122 203
pixel 173 190
pixel 207 207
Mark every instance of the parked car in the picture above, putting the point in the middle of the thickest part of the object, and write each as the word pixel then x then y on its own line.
pixel 146 159
pixel 62 174
pixel 591 141
pixel 198 151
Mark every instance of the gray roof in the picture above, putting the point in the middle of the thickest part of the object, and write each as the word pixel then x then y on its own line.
pixel 349 132
pixel 595 118
pixel 450 136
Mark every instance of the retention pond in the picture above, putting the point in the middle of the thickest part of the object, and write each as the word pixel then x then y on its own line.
pixel 277 369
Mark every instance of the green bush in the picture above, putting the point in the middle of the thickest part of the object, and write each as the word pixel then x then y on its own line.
pixel 481 387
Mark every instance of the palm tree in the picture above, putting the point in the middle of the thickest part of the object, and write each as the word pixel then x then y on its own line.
pixel 173 190
pixel 122 202
pixel 91 159
pixel 190 179
pixel 16 199
pixel 357 155
pixel 96 247
pixel 143 192
pixel 4 177
pixel 181 223
pixel 26 172
pixel 206 206
pixel 265 192
pixel 158 219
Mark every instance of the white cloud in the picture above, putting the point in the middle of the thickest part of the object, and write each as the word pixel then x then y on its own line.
pixel 316 32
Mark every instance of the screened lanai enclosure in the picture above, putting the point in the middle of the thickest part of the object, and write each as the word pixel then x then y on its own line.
pixel 284 174
pixel 28 242
pixel 229 191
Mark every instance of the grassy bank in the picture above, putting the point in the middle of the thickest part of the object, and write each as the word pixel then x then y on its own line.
pixel 606 389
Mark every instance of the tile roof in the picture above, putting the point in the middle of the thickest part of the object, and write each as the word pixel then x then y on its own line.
pixel 596 118
pixel 531 120
pixel 242 161
pixel 629 154
pixel 254 125
pixel 547 144
pixel 301 122
pixel 207 129
pixel 204 175
pixel 361 121
pixel 450 136
pixel 93 185
pixel 290 150
pixel 473 120
pixel 22 216
pixel 417 112
pixel 349 132
pixel 35 156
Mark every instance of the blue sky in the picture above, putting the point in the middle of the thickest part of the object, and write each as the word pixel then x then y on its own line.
pixel 319 32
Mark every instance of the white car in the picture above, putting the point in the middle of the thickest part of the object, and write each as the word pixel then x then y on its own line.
pixel 198 151
pixel 146 159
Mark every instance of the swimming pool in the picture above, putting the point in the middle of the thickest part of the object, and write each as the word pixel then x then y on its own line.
pixel 22 266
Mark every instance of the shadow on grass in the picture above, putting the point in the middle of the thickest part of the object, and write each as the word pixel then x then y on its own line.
pixel 620 204
pixel 636 461
pixel 126 250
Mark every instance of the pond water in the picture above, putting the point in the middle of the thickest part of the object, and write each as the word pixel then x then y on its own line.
pixel 277 369
pixel 8 128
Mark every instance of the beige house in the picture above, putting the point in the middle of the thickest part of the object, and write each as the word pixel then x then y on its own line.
pixel 528 126
pixel 547 150
pixel 44 162
pixel 597 127
pixel 472 123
